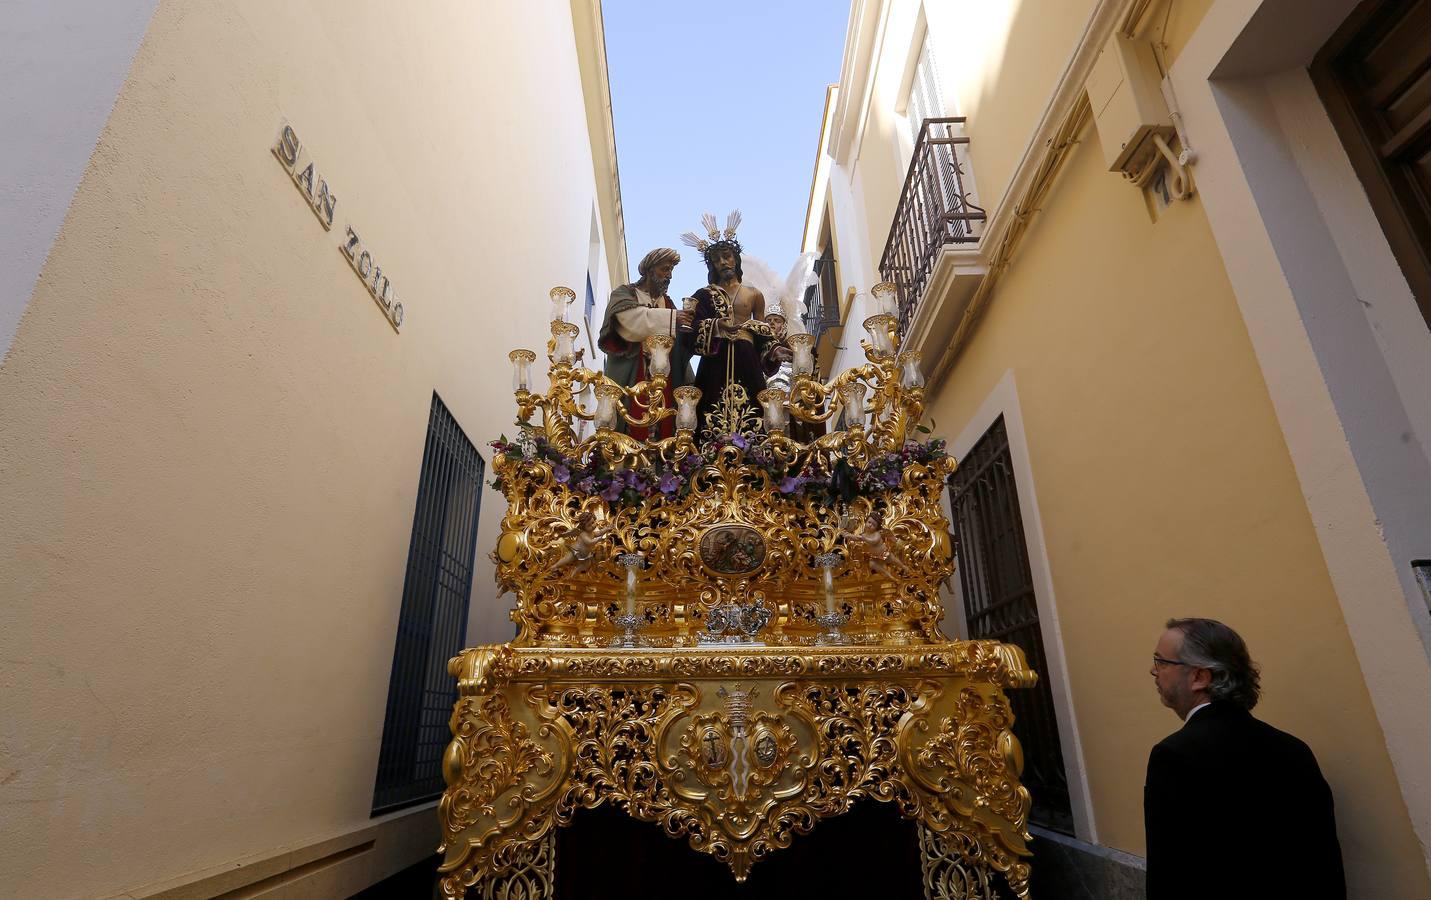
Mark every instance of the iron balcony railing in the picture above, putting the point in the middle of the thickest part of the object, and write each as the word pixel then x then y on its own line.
pixel 934 210
pixel 822 303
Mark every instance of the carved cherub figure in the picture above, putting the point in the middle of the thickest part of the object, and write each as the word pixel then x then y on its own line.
pixel 875 543
pixel 581 544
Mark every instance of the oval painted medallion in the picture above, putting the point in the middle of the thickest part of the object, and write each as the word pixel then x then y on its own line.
pixel 732 549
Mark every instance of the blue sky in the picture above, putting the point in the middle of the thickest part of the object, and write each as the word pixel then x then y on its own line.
pixel 717 105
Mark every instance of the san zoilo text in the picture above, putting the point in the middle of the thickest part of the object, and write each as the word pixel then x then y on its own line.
pixel 303 170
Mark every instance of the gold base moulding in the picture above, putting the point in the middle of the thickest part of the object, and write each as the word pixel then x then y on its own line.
pixel 735 749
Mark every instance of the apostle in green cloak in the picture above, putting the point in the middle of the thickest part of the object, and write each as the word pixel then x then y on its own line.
pixel 636 312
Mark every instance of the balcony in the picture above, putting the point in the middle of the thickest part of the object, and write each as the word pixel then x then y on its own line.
pixel 934 213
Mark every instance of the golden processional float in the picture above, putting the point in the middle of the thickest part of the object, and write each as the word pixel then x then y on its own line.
pixel 732 638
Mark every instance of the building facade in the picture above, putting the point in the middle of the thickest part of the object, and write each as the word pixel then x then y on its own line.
pixel 1182 359
pixel 264 263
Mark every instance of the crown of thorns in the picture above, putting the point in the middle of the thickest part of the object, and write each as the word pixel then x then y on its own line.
pixel 714 235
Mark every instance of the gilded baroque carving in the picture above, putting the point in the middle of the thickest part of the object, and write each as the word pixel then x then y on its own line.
pixel 810 745
pixel 739 747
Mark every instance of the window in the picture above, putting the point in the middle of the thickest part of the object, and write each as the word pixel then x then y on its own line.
pixel 1374 76
pixel 999 604
pixel 432 622
pixel 590 306
pixel 924 101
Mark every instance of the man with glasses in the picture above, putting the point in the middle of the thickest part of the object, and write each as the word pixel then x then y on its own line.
pixel 1232 807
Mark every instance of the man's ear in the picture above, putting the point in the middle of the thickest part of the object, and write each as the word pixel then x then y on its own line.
pixel 1201 679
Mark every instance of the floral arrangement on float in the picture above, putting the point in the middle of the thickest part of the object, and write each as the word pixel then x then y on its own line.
pixel 832 478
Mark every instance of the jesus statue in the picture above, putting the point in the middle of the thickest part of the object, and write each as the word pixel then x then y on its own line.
pixel 738 349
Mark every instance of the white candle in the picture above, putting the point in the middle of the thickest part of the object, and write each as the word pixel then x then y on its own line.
pixel 607 396
pixel 561 298
pixel 522 370
pixel 687 398
pixel 852 399
pixel 885 298
pixel 658 353
pixel 910 374
pixel 772 400
pixel 564 335
pixel 801 345
pixel 879 328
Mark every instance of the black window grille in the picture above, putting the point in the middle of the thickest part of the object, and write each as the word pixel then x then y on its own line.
pixel 432 623
pixel 999 604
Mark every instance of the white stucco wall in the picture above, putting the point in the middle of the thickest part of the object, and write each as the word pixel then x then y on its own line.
pixel 61 65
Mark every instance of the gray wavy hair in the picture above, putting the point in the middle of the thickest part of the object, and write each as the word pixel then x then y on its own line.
pixel 1209 644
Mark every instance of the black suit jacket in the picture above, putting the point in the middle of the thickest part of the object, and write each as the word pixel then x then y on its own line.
pixel 1235 808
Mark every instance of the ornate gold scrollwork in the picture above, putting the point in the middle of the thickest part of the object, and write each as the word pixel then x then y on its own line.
pixel 739 755
pixel 947 874
pixel 532 875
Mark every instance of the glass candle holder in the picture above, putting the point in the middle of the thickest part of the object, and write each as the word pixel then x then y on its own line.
pixel 522 370
pixel 658 353
pixel 803 346
pixel 561 298
pixel 827 563
pixel 608 398
pixel 687 398
pixel 886 298
pixel 564 343
pixel 879 328
pixel 772 400
pixel 632 563
pixel 852 401
pixel 910 375
pixel 583 403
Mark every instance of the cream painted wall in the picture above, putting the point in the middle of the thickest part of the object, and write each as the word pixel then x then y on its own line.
pixel 61 66
pixel 210 438
pixel 1165 488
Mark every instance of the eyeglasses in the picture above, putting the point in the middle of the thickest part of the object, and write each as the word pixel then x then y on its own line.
pixel 1159 661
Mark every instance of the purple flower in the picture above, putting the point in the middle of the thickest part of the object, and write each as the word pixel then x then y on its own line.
pixel 561 473
pixel 739 440
pixel 587 484
pixel 891 478
pixel 669 483
pixel 613 490
pixel 791 483
pixel 634 480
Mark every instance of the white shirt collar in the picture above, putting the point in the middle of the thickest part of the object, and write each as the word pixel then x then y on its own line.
pixel 1194 710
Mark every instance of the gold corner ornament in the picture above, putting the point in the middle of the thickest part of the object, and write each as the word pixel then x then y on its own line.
pixel 734 638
